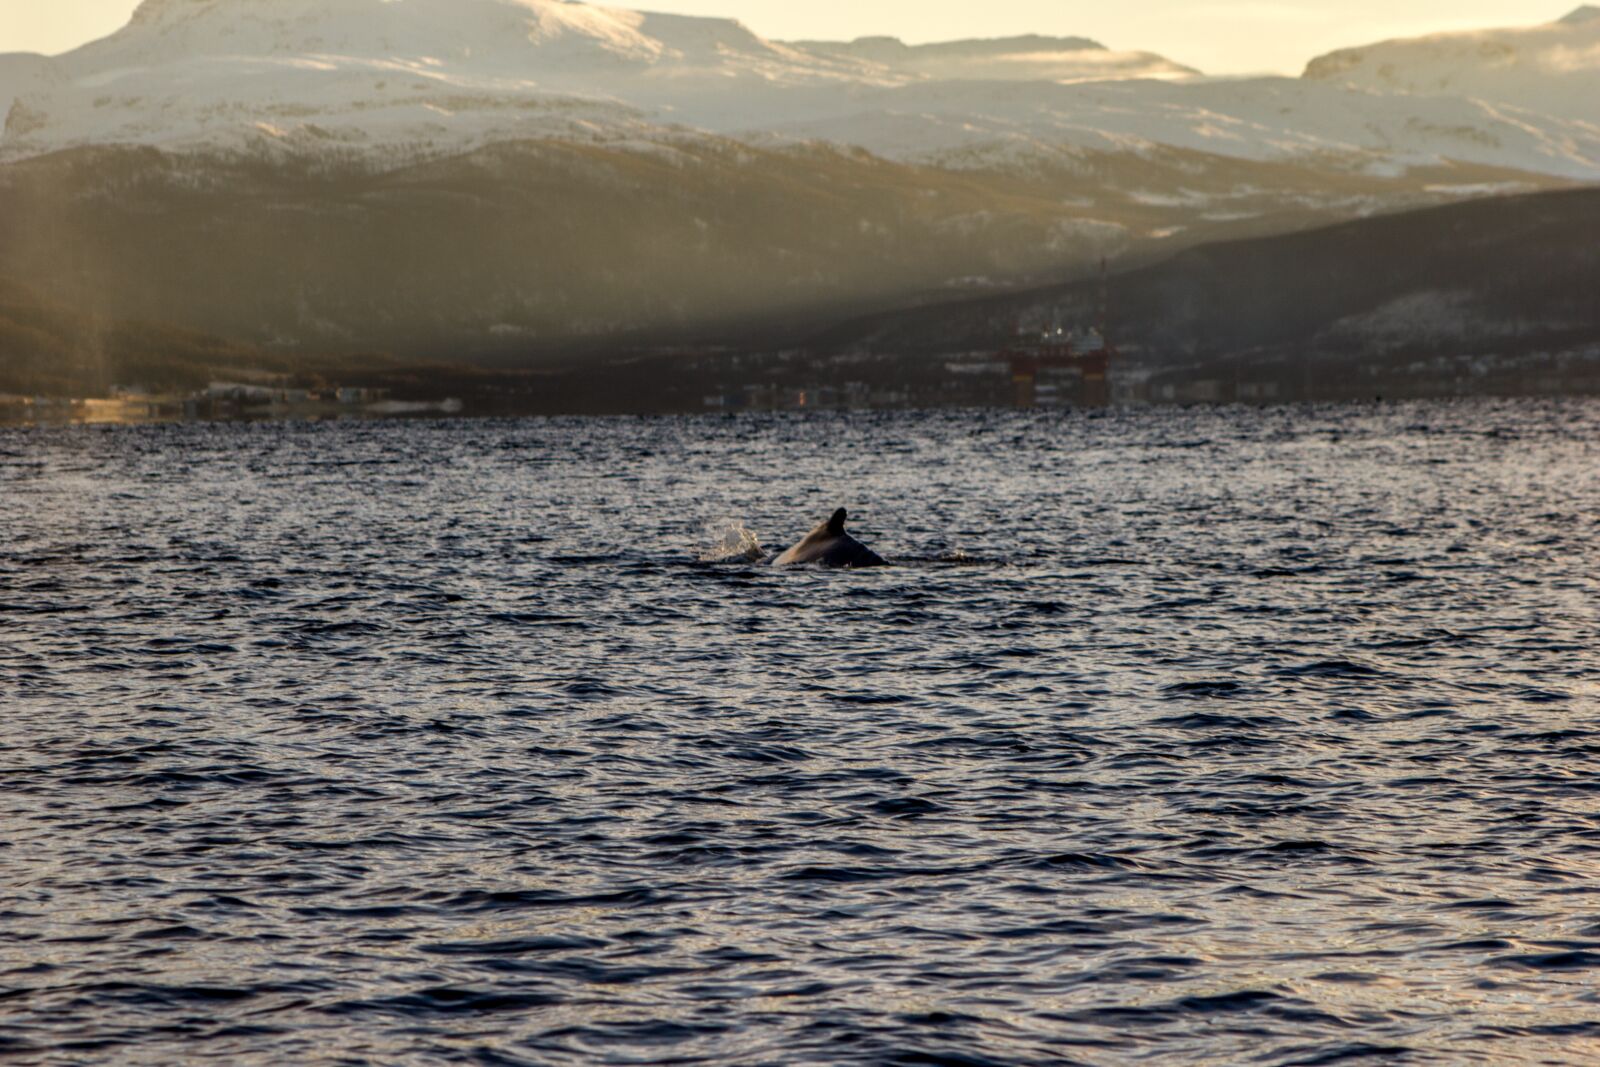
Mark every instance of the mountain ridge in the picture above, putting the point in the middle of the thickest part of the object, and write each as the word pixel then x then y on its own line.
pixel 1496 296
pixel 1553 69
pixel 397 80
pixel 520 175
pixel 538 245
pixel 1498 276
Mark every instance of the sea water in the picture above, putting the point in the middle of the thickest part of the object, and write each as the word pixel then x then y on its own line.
pixel 1208 736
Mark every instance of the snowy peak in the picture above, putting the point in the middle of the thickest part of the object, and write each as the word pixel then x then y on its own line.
pixel 399 78
pixel 1553 68
pixel 531 32
pixel 388 78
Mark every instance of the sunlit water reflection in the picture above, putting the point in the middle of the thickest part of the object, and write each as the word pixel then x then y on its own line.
pixel 1210 736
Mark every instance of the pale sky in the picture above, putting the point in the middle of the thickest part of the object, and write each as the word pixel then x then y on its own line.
pixel 1220 37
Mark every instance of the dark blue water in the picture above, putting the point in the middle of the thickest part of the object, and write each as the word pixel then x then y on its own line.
pixel 1179 737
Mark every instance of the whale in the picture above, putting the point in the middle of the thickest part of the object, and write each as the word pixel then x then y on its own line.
pixel 829 546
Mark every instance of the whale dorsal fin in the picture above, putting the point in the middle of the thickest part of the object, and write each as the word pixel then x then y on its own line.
pixel 836 524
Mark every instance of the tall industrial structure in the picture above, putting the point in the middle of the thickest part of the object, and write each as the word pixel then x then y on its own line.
pixel 1065 366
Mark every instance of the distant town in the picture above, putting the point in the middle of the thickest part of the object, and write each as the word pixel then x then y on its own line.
pixel 1074 370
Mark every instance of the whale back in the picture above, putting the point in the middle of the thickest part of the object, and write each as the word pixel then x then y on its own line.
pixel 830 546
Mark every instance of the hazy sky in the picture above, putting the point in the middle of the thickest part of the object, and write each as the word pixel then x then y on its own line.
pixel 1226 36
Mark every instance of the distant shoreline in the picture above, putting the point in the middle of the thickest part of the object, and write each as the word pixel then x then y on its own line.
pixel 112 412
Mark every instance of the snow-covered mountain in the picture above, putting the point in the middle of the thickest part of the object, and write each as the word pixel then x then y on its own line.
pixel 399 78
pixel 522 39
pixel 465 173
pixel 390 81
pixel 1553 69
pixel 386 78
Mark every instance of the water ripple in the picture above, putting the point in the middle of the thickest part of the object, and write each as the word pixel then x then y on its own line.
pixel 1175 736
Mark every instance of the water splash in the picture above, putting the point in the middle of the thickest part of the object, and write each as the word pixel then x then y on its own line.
pixel 731 541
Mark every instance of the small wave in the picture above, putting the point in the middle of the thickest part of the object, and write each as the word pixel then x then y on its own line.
pixel 1217 689
pixel 1335 668
pixel 449 1000
pixel 1570 960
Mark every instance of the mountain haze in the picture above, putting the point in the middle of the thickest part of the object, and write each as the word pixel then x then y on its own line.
pixel 517 175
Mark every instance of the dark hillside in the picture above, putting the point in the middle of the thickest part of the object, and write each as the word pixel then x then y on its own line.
pixel 529 248
pixel 1494 275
